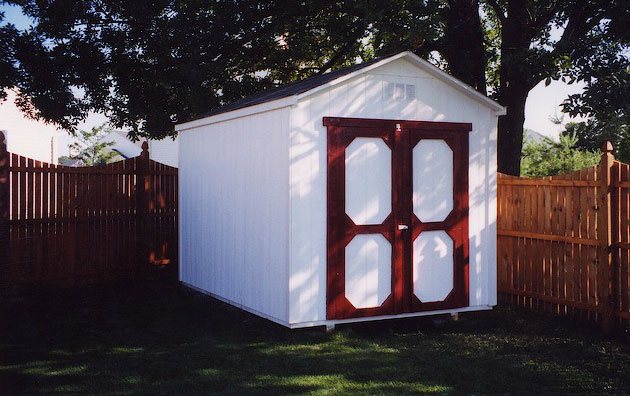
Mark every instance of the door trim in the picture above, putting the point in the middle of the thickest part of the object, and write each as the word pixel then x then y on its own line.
pixel 339 135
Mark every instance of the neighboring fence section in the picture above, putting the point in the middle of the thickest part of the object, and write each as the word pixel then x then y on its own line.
pixel 563 241
pixel 62 225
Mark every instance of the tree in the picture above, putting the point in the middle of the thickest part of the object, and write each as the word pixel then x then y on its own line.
pixel 8 72
pixel 593 133
pixel 605 101
pixel 519 49
pixel 149 65
pixel 92 148
pixel 548 158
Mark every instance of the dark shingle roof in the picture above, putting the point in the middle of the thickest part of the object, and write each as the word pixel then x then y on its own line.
pixel 284 91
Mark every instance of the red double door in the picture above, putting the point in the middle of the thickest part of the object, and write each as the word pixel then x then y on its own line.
pixel 397 225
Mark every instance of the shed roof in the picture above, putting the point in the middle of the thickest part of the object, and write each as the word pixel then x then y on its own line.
pixel 313 84
pixel 283 91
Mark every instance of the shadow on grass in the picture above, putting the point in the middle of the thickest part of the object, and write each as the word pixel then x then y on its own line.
pixel 160 338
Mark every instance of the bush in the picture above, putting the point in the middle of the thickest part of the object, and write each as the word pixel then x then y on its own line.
pixel 548 158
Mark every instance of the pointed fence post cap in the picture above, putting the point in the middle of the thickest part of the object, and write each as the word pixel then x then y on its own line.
pixel 607 147
pixel 145 150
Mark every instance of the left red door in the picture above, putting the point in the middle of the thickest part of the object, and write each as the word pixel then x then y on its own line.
pixel 361 218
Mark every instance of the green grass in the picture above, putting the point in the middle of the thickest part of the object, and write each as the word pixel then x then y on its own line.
pixel 160 338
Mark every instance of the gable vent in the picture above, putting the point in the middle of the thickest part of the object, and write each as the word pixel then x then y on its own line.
pixel 398 92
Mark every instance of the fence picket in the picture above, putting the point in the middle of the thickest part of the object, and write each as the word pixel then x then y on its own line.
pixel 564 242
pixel 624 237
pixel 66 226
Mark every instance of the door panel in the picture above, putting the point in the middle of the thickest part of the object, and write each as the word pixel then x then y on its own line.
pixel 383 178
pixel 368 180
pixel 433 268
pixel 443 220
pixel 368 270
pixel 432 180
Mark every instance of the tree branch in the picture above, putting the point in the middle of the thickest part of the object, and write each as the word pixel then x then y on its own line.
pixel 542 18
pixel 497 10
pixel 343 51
pixel 578 25
pixel 426 47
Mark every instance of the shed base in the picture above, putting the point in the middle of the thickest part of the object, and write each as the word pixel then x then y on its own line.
pixel 330 324
pixel 237 305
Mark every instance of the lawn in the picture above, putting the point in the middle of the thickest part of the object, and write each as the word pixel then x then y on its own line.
pixel 161 338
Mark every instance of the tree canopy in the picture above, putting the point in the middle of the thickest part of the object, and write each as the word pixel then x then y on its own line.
pixel 149 65
pixel 92 148
pixel 606 101
pixel 549 158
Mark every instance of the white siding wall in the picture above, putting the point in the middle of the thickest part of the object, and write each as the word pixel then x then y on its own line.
pixel 27 137
pixel 363 97
pixel 234 211
pixel 165 151
pixel 123 145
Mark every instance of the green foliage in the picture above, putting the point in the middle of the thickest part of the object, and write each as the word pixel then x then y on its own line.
pixel 149 65
pixel 594 132
pixel 8 71
pixel 605 101
pixel 92 148
pixel 548 158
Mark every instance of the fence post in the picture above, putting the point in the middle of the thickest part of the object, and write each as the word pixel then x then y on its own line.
pixel 4 209
pixel 142 206
pixel 604 234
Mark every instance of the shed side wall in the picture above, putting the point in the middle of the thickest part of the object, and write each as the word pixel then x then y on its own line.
pixel 234 211
pixel 363 97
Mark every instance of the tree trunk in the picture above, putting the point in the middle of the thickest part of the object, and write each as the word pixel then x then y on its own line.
pixel 516 81
pixel 510 131
pixel 462 46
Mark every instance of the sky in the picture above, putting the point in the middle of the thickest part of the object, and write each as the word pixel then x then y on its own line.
pixel 542 103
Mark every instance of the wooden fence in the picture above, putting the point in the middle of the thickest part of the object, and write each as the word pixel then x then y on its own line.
pixel 62 225
pixel 564 241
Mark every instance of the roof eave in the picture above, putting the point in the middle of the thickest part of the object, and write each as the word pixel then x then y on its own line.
pixel 238 113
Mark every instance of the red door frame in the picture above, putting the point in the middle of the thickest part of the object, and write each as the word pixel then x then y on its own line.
pixel 401 136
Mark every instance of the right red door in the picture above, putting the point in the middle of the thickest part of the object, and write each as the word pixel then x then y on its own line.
pixel 435 206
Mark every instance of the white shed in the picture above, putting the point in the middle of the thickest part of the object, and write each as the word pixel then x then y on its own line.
pixel 360 194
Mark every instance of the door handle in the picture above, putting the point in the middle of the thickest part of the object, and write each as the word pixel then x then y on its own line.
pixel 403 227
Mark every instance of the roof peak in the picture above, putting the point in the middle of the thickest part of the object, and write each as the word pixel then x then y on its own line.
pixel 315 83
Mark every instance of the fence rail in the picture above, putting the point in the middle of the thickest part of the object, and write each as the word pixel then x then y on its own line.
pixel 62 225
pixel 564 241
